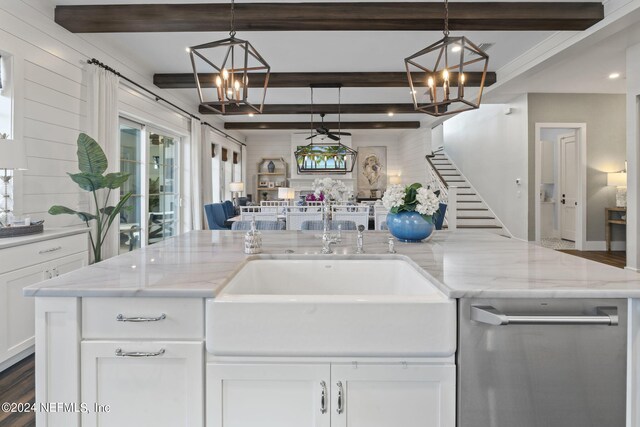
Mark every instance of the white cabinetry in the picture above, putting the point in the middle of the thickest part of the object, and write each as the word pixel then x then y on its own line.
pixel 143 383
pixel 336 395
pixel 144 358
pixel 24 262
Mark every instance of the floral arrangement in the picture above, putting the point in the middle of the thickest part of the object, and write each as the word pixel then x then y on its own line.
pixel 311 197
pixel 412 198
pixel 331 189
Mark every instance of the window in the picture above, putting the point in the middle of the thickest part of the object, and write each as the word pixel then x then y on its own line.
pixel 151 157
pixel 6 96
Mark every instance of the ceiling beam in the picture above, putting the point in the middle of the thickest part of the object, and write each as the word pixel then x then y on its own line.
pixel 329 125
pixel 320 109
pixel 292 80
pixel 337 16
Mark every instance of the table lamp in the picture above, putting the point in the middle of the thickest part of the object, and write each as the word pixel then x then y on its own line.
pixel 236 188
pixel 619 180
pixel 286 193
pixel 12 158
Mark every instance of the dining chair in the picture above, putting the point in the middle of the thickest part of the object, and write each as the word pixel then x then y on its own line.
pixel 379 216
pixel 247 213
pixel 229 210
pixel 260 225
pixel 296 215
pixel 356 213
pixel 333 225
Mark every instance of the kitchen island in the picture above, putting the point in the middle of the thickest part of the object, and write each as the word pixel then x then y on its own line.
pixel 152 308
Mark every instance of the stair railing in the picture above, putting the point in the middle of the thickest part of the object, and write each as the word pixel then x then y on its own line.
pixel 448 194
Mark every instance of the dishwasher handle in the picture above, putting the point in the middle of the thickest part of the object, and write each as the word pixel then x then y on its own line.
pixel 489 315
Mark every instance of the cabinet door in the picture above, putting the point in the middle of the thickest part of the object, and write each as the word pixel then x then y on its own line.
pixel 162 390
pixel 69 263
pixel 17 312
pixel 393 395
pixel 267 395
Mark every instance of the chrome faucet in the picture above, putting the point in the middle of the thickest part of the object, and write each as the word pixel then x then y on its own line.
pixel 360 241
pixel 327 241
pixel 392 248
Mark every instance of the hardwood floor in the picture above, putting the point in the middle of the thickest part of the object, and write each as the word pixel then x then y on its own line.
pixel 17 384
pixel 614 258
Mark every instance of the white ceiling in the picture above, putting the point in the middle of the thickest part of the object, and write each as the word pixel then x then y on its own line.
pixel 580 71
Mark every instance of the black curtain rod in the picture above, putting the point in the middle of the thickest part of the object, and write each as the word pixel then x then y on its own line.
pixel 157 97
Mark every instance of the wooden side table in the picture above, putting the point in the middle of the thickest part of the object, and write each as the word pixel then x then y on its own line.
pixel 610 220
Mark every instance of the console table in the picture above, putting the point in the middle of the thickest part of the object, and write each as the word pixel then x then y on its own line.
pixel 610 220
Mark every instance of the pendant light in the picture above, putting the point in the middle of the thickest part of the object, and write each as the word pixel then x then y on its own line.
pixel 437 74
pixel 233 61
pixel 326 158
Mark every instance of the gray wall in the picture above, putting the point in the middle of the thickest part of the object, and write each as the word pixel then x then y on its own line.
pixel 605 116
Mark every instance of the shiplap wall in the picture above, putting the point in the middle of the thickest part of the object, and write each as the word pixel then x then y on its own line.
pixel 50 107
pixel 405 152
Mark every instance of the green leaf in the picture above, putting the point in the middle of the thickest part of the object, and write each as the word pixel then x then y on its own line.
pixel 116 210
pixel 115 180
pixel 62 210
pixel 91 158
pixel 88 181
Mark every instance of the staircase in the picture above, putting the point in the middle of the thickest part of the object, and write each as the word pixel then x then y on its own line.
pixel 471 212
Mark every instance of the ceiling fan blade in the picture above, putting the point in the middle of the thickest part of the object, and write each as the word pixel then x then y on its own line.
pixel 341 133
pixel 332 136
pixel 322 131
pixel 311 137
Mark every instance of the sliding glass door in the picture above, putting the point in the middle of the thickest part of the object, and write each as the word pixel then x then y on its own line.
pixel 151 156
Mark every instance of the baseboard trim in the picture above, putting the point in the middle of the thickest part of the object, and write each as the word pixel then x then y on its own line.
pixel 17 357
pixel 635 270
pixel 594 245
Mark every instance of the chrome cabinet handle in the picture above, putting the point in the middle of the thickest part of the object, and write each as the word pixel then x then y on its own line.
pixel 489 315
pixel 323 398
pixel 121 318
pixel 48 273
pixel 340 407
pixel 120 353
pixel 46 251
pixel 55 271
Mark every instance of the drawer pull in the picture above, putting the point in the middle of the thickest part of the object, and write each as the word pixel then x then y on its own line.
pixel 120 353
pixel 323 398
pixel 48 251
pixel 340 408
pixel 121 318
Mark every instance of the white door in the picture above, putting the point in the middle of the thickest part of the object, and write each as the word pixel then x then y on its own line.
pixel 17 312
pixel 568 187
pixel 266 395
pixel 393 395
pixel 163 389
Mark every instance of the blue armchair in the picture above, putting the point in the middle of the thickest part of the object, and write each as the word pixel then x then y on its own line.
pixel 229 210
pixel 215 216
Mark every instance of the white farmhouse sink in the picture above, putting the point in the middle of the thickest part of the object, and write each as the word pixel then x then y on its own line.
pixel 331 307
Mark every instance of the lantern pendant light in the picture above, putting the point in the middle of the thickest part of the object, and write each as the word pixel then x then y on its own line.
pixel 437 74
pixel 233 61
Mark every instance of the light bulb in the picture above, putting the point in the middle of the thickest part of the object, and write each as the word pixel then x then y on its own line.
pixel 236 85
pixel 462 78
pixel 445 74
pixel 430 82
pixel 225 74
pixel 218 81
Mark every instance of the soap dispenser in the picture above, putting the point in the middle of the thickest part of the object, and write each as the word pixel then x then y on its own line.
pixel 253 240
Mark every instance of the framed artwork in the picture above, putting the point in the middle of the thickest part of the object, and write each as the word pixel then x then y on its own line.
pixel 372 171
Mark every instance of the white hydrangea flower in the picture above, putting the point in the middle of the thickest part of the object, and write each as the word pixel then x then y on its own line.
pixel 428 202
pixel 394 196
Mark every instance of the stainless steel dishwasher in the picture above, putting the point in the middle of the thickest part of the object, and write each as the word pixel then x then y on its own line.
pixel 542 363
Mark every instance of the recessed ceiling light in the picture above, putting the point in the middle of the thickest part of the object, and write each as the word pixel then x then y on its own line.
pixel 614 75
pixel 188 49
pixel 456 48
pixel 390 114
pixel 251 114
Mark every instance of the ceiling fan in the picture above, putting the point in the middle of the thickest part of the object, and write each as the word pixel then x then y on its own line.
pixel 322 130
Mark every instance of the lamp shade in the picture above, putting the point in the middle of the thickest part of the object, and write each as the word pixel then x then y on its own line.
pixel 12 155
pixel 236 187
pixel 286 193
pixel 395 179
pixel 617 179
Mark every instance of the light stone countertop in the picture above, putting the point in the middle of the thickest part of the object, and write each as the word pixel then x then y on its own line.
pixel 463 264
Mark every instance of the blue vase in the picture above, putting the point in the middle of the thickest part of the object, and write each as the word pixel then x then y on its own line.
pixel 409 226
